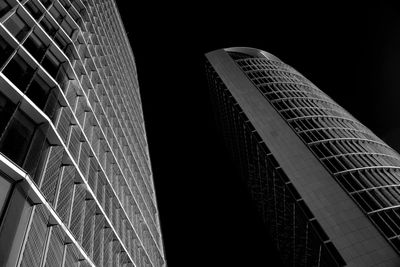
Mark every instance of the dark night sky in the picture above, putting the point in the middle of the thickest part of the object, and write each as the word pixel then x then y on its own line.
pixel 351 53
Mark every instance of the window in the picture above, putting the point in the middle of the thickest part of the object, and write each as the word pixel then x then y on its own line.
pixel 19 72
pixel 38 91
pixel 51 64
pixel 60 41
pixel 6 110
pixel 67 28
pixel 351 181
pixel 56 14
pixel 37 150
pixel 33 9
pixel 52 106
pixel 46 3
pixel 35 46
pixel 48 27
pixel 4 8
pixel 63 78
pixel 6 50
pixel 17 26
pixel 382 225
pixel 13 227
pixel 65 4
pixel 69 52
pixel 15 141
pixel 5 186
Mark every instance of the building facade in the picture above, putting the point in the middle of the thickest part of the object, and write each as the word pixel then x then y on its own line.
pixel 76 186
pixel 325 185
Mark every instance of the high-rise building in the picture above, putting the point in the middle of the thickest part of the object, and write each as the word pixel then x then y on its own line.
pixel 325 185
pixel 76 186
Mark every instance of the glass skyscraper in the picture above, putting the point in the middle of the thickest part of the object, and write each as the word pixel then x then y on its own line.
pixel 76 186
pixel 325 185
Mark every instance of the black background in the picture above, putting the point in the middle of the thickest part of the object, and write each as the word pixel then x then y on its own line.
pixel 350 52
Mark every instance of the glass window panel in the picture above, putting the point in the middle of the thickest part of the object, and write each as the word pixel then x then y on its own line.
pixel 371 201
pixel 4 8
pixel 35 152
pixel 360 201
pixel 17 26
pixel 6 110
pixel 42 159
pixel 67 28
pixel 13 227
pixel 5 186
pixel 389 197
pixel 60 41
pixel 387 217
pixel 353 180
pixel 38 91
pixel 394 191
pixel 52 106
pixel 6 50
pixel 56 14
pixel 382 225
pixel 396 243
pixel 51 64
pixel 15 141
pixel 46 3
pixel 35 46
pixel 62 77
pixel 33 9
pixel 19 72
pixel 69 52
pixel 48 27
pixel 65 4
pixel 379 198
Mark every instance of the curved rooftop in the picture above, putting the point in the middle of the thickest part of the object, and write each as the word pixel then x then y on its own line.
pixel 254 52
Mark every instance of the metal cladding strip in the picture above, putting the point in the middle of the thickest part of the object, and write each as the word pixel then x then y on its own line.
pixel 360 153
pixel 307 98
pixel 335 117
pixel 350 139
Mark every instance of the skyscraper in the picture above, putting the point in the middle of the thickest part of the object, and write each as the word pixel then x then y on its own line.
pixel 76 186
pixel 325 185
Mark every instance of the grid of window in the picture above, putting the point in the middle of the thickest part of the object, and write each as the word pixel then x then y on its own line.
pixel 297 234
pixel 367 168
pixel 69 98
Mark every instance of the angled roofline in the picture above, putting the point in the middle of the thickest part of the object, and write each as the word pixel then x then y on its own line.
pixel 252 52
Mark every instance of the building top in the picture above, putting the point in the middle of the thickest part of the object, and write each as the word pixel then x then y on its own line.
pixel 253 52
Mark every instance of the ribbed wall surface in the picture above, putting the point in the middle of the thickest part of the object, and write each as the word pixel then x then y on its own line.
pixel 69 101
pixel 366 167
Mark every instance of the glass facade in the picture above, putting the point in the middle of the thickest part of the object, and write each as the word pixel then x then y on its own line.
pixel 278 202
pixel 366 168
pixel 76 186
